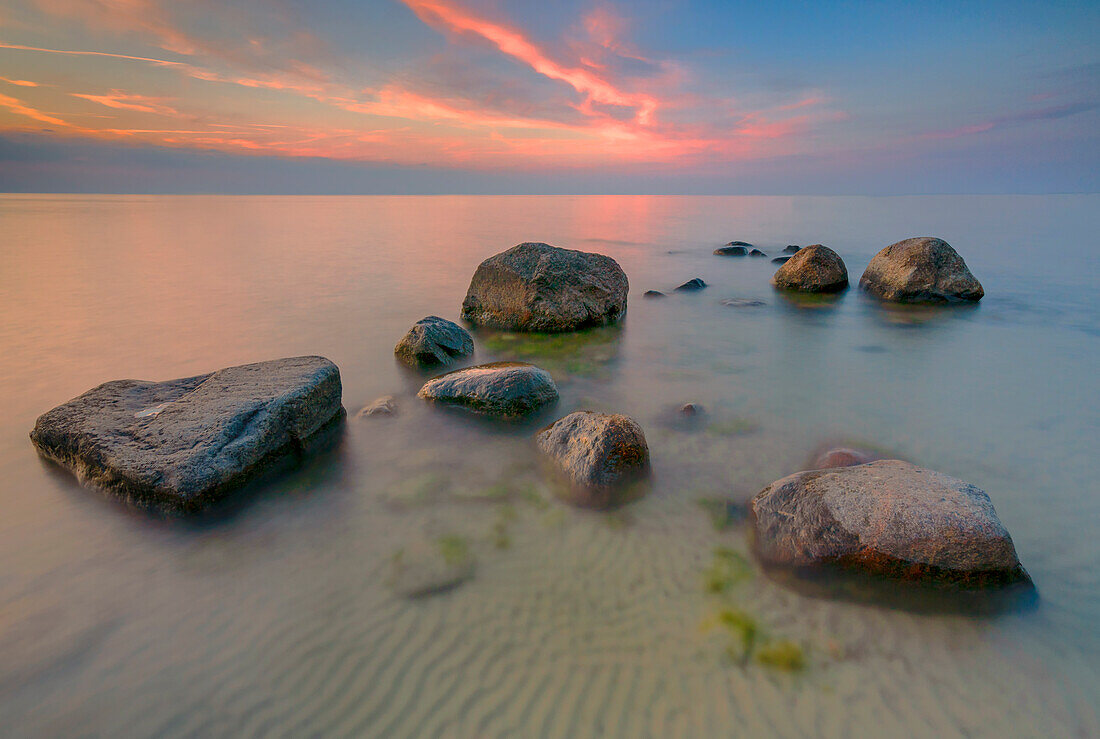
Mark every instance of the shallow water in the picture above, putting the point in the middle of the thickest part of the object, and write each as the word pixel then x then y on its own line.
pixel 278 616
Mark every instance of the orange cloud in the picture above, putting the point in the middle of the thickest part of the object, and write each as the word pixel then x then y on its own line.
pixel 516 45
pixel 19 83
pixel 20 108
pixel 123 101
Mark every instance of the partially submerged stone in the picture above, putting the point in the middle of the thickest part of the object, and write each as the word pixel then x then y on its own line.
pixel 920 270
pixel 384 406
pixel 506 389
pixel 757 253
pixel 791 248
pixel 695 283
pixel 842 456
pixel 538 287
pixel 599 454
pixel 781 260
pixel 734 249
pixel 743 303
pixel 426 567
pixel 888 518
pixel 434 341
pixel 653 294
pixel 813 269
pixel 185 443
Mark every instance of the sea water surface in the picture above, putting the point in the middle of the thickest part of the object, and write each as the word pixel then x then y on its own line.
pixel 278 616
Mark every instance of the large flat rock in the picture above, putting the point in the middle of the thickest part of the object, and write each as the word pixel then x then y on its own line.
pixel 887 518
pixel 506 389
pixel 185 443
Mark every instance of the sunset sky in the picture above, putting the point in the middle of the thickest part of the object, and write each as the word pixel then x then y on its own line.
pixel 658 96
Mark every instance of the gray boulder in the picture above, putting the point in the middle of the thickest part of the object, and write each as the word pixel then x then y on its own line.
pixel 382 407
pixel 791 248
pixel 920 270
pixel 599 454
pixel 842 456
pixel 757 253
pixel 886 518
pixel 506 389
pixel 781 260
pixel 812 269
pixel 185 443
pixel 537 287
pixel 653 294
pixel 433 341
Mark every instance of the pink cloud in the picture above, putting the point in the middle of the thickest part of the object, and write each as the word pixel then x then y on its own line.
pixel 123 101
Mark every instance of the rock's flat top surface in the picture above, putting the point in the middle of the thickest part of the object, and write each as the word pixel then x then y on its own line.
pixel 920 270
pixel 596 452
pixel 813 269
pixel 733 250
pixel 889 518
pixel 184 443
pixel 542 288
pixel 497 388
pixel 433 341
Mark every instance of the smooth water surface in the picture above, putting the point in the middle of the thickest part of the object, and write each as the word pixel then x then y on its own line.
pixel 278 617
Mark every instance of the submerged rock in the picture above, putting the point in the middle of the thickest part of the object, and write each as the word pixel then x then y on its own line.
pixel 842 456
pixel 598 453
pixel 886 518
pixel 920 270
pixel 185 443
pixel 538 287
pixel 814 269
pixel 429 566
pixel 653 294
pixel 690 409
pixel 791 248
pixel 757 253
pixel 496 389
pixel 732 250
pixel 433 341
pixel 384 406
pixel 743 303
pixel 694 283
pixel 780 260
pixel 739 243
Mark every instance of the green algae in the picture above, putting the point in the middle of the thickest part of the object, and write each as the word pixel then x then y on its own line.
pixel 783 655
pixel 454 549
pixel 728 568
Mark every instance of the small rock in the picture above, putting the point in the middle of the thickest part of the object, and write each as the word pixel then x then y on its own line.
pixel 653 294
pixel 433 341
pixel 599 454
pixel 506 389
pixel 184 444
pixel 887 518
pixel 427 567
pixel 384 406
pixel 690 409
pixel 920 270
pixel 538 287
pixel 757 253
pixel 815 269
pixel 739 243
pixel 743 303
pixel 780 260
pixel 732 250
pixel 693 284
pixel 791 248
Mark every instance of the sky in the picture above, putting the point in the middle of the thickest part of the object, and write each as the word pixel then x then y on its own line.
pixel 568 96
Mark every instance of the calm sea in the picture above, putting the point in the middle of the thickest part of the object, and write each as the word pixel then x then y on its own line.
pixel 278 617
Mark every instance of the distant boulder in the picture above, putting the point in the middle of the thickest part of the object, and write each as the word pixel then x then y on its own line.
pixel 434 341
pixel 732 250
pixel 541 288
pixel 920 270
pixel 757 253
pixel 791 248
pixel 743 303
pixel 653 294
pixel 780 260
pixel 693 284
pixel 841 456
pixel 506 389
pixel 384 406
pixel 886 518
pixel 598 453
pixel 813 269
